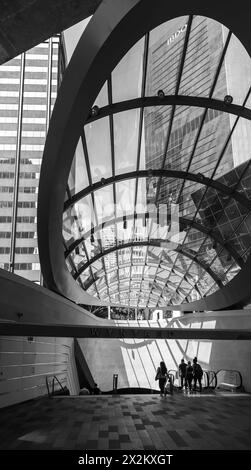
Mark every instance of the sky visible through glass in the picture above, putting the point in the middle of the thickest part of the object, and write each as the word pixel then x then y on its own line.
pixel 149 219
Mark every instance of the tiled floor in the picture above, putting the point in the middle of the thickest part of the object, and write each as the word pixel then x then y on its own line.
pixel 129 422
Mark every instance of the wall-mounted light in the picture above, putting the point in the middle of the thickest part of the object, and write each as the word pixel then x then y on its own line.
pixel 94 111
pixel 161 94
pixel 228 99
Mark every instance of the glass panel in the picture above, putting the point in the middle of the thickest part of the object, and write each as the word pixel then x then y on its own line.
pixel 78 178
pixel 165 48
pixel 126 128
pixel 215 130
pixel 79 256
pixel 127 75
pixel 238 148
pixel 205 283
pixel 190 199
pixel 102 99
pixel 203 54
pixel 237 71
pixel 67 224
pixel 104 203
pixel 141 206
pixel 156 122
pixel 99 149
pixel 125 197
pixel 83 217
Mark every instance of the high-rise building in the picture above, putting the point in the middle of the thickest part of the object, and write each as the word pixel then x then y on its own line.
pixel 28 89
pixel 201 75
pixel 202 60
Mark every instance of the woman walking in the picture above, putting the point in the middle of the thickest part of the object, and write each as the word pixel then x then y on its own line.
pixel 161 376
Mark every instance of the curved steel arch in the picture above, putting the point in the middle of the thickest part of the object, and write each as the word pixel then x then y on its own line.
pixel 127 289
pixel 127 264
pixel 154 243
pixel 178 174
pixel 169 100
pixel 102 45
pixel 91 279
pixel 184 222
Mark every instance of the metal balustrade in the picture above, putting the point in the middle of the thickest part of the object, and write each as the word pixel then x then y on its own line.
pixel 229 379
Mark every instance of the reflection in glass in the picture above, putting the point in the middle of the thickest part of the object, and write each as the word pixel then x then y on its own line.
pixel 214 144
pixel 99 149
pixel 130 68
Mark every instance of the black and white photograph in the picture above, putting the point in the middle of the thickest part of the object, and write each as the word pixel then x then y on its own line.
pixel 125 232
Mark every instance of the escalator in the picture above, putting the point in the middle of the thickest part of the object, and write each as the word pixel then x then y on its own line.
pixel 229 380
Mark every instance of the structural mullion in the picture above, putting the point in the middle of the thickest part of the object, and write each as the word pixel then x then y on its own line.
pixel 143 271
pixel 17 163
pixel 218 162
pixel 220 156
pixel 88 169
pixel 182 62
pixel 141 117
pixel 204 116
pixel 206 110
pixel 111 128
pixel 179 76
pixel 154 278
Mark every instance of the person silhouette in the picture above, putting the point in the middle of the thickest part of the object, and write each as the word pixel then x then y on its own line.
pixel 161 376
pixel 182 373
pixel 189 375
pixel 197 374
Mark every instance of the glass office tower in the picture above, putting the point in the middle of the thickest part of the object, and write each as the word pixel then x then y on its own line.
pixel 28 88
pixel 215 66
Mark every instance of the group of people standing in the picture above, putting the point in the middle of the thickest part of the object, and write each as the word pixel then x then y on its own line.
pixel 188 373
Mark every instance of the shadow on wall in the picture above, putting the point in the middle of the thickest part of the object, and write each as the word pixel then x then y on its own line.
pixel 135 360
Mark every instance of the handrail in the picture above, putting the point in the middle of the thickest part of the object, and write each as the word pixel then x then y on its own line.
pixel 205 375
pixel 175 375
pixel 212 379
pixel 50 394
pixel 170 371
pixel 232 370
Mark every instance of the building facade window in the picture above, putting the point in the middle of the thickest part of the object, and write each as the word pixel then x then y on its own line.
pixel 25 104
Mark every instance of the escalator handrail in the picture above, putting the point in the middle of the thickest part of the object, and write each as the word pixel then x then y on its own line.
pixel 232 370
pixel 207 376
pixel 208 372
pixel 170 371
pixel 214 378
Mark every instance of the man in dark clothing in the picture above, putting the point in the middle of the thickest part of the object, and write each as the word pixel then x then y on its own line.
pixel 189 375
pixel 197 374
pixel 182 373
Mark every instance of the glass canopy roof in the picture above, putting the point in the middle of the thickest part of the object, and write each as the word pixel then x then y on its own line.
pixel 157 210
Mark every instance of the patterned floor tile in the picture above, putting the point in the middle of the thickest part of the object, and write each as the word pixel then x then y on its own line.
pixel 129 422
